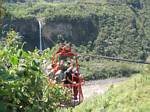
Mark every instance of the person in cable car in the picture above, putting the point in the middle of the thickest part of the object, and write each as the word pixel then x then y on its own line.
pixel 68 74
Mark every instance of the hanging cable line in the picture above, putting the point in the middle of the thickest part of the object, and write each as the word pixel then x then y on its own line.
pixel 117 59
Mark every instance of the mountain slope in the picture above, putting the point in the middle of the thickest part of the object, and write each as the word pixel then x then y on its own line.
pixel 117 29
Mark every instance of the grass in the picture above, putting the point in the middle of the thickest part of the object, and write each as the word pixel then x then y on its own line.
pixel 132 95
pixel 101 69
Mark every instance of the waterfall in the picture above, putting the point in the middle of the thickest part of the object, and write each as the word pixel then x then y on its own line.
pixel 40 34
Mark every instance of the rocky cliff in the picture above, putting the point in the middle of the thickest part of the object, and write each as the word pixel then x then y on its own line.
pixel 54 32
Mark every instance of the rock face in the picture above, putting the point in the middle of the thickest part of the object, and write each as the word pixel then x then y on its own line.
pixel 54 32
pixel 29 31
pixel 76 33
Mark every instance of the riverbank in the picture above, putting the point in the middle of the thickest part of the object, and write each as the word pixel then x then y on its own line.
pixel 98 87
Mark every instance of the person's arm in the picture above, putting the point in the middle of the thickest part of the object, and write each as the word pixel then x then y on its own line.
pixel 72 82
pixel 69 69
pixel 69 80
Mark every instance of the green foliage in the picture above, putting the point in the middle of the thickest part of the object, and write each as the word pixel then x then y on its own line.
pixel 121 27
pixel 23 84
pixel 1 9
pixel 101 69
pixel 116 38
pixel 2 13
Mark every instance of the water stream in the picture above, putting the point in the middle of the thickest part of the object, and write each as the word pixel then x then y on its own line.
pixel 40 34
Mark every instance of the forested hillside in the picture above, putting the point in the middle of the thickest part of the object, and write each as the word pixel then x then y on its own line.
pixel 110 27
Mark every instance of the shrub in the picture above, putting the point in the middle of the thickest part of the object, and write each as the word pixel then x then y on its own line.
pixel 23 84
pixel 100 69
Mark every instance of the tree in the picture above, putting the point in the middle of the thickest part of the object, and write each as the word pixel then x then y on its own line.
pixel 2 11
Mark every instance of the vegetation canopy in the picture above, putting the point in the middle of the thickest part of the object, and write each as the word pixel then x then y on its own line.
pixel 113 28
pixel 23 82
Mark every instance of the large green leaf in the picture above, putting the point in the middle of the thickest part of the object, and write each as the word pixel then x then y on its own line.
pixel 25 55
pixel 14 60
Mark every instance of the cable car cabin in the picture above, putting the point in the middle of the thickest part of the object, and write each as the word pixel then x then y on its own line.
pixel 66 70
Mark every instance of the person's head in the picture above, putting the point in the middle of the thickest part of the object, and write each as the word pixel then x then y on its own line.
pixel 69 44
pixel 68 63
pixel 61 44
pixel 61 67
pixel 53 65
pixel 49 67
pixel 62 62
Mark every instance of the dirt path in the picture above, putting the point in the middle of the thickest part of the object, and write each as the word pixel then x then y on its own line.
pixel 92 88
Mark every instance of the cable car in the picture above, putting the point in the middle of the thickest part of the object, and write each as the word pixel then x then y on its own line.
pixel 71 76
